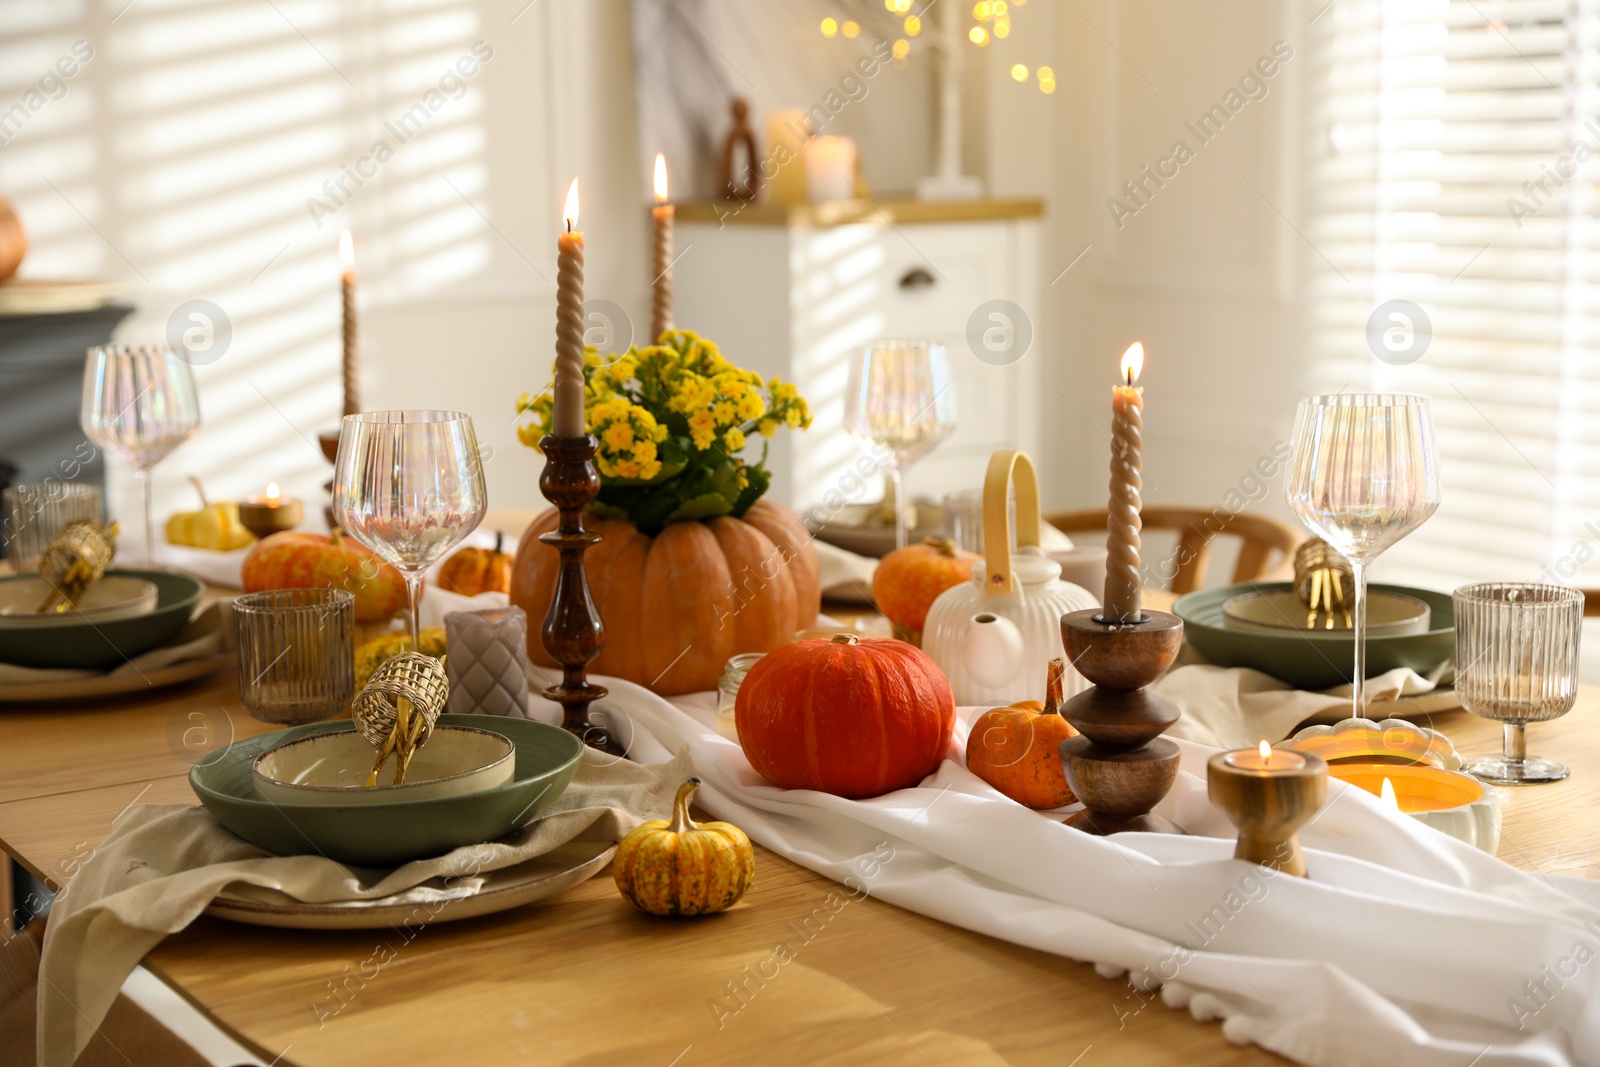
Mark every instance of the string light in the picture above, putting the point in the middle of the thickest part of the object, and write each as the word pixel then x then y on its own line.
pixel 982 10
pixel 978 36
pixel 830 27
pixel 913 25
pixel 851 29
pixel 902 48
pixel 1002 27
pixel 1019 73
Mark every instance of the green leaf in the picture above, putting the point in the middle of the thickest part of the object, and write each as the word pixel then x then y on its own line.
pixel 760 482
pixel 705 506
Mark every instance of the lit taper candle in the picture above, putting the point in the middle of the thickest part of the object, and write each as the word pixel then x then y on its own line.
pixel 661 265
pixel 1123 522
pixel 568 419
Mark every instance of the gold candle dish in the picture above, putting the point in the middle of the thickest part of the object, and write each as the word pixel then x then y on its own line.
pixel 269 514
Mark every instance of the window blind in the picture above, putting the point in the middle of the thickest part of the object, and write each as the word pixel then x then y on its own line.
pixel 1454 150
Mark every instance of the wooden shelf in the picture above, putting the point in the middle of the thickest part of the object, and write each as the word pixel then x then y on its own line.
pixel 844 212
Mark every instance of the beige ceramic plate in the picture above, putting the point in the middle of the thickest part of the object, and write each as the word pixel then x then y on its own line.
pixel 112 685
pixel 332 768
pixel 1279 611
pixel 555 872
pixel 116 596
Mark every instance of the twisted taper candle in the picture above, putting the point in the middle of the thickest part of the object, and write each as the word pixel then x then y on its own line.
pixel 350 364
pixel 1123 523
pixel 661 272
pixel 568 420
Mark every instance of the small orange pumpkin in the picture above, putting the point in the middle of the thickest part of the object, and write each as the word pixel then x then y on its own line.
pixel 478 570
pixel 1015 749
pixel 908 581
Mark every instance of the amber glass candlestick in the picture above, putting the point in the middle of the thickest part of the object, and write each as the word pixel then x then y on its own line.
pixel 573 633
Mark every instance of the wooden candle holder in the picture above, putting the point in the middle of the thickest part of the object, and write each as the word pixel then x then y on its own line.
pixel 573 633
pixel 1269 807
pixel 1120 766
pixel 329 443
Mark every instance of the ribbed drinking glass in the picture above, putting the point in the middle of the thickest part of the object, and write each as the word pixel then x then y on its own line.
pixel 1516 663
pixel 296 653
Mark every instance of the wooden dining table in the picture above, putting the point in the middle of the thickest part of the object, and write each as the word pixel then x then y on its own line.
pixel 584 978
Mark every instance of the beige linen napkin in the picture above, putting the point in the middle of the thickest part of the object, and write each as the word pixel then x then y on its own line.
pixel 1235 707
pixel 163 863
pixel 207 633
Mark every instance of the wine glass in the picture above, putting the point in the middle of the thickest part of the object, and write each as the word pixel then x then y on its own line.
pixel 1365 473
pixel 1516 663
pixel 409 486
pixel 139 403
pixel 901 397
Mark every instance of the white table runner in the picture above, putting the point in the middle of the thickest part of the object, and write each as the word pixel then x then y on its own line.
pixel 1404 946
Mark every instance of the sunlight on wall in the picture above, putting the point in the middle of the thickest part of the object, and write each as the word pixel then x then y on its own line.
pixel 214 151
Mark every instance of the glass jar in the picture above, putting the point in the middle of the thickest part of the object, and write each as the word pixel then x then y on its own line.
pixel 728 692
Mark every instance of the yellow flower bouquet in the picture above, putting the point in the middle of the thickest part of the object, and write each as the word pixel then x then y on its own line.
pixel 674 421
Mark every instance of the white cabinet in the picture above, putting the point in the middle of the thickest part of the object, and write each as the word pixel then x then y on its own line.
pixel 796 291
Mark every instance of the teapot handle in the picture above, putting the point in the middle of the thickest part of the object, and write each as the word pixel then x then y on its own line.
pixel 1006 469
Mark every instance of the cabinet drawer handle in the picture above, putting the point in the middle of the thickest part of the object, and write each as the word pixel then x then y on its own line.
pixel 916 278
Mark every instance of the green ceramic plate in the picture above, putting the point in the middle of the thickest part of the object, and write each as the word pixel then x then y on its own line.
pixel 1313 661
pixel 386 835
pixel 103 645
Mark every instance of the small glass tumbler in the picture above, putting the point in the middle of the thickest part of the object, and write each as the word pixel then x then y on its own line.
pixel 1516 663
pixel 963 519
pixel 36 512
pixel 296 653
pixel 728 692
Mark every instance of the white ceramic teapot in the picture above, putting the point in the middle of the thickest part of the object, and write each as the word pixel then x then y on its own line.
pixel 995 636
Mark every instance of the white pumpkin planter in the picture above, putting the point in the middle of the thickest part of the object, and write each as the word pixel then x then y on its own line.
pixel 994 637
pixel 1476 820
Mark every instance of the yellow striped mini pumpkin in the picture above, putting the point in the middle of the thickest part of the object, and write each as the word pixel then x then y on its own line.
pixel 683 867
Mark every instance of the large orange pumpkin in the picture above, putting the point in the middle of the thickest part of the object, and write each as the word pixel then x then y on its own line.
pixel 677 605
pixel 849 716
pixel 302 559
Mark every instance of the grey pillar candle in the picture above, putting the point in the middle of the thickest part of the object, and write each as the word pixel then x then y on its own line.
pixel 486 662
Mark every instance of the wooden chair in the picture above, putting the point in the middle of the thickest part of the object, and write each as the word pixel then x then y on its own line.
pixel 1266 543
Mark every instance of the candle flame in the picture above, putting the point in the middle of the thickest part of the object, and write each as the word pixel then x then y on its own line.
pixel 570 212
pixel 272 491
pixel 347 248
pixel 661 178
pixel 1266 752
pixel 1132 362
pixel 1389 799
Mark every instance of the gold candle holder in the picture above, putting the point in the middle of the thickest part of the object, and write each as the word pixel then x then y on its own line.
pixel 270 513
pixel 1269 794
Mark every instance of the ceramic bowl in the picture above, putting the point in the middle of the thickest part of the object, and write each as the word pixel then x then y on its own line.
pixel 387 834
pixel 116 596
pixel 94 643
pixel 332 768
pixel 1281 611
pixel 1318 659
